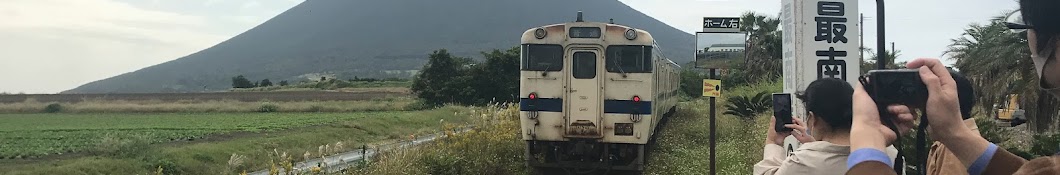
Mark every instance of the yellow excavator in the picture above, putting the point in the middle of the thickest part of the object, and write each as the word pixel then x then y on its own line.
pixel 1010 113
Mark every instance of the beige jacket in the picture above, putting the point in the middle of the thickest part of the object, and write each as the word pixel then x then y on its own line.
pixel 818 157
pixel 942 162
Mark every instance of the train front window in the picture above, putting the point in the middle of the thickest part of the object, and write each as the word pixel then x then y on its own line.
pixel 629 59
pixel 542 57
pixel 584 65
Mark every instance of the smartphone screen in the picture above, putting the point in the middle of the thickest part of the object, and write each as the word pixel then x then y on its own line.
pixel 782 110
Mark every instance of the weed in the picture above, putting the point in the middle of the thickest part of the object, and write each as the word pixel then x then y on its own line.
pixel 53 108
pixel 268 107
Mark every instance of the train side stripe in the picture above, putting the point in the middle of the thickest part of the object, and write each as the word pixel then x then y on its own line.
pixel 627 107
pixel 541 104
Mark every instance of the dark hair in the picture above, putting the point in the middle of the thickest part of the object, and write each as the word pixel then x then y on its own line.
pixel 1043 16
pixel 965 94
pixel 830 100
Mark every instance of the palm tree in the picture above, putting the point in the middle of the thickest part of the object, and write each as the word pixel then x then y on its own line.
pixel 996 60
pixel 764 48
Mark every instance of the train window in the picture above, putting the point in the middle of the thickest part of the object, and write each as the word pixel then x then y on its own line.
pixel 629 59
pixel 542 57
pixel 584 65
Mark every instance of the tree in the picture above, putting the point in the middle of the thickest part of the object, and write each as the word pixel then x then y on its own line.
pixel 995 60
pixel 870 62
pixel 497 79
pixel 444 79
pixel 241 82
pixel 265 83
pixel 283 83
pixel 764 48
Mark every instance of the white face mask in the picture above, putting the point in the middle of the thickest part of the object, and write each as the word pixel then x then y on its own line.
pixel 1039 65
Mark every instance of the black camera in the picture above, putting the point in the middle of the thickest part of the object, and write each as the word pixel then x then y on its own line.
pixel 896 86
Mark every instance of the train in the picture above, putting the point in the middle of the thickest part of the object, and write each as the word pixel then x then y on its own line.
pixel 592 95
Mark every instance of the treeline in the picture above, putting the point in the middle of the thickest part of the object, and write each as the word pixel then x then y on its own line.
pixel 242 82
pixel 448 79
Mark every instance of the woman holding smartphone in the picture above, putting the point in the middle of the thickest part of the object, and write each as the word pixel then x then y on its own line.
pixel 825 135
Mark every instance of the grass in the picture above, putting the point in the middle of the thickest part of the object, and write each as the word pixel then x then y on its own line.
pixel 156 106
pixel 144 141
pixel 493 147
pixel 682 146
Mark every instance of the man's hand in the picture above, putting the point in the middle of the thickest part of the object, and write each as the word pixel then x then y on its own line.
pixel 799 131
pixel 904 114
pixel 772 137
pixel 943 110
pixel 867 129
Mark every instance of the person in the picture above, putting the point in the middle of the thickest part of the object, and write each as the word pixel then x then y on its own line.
pixel 869 135
pixel 828 107
pixel 940 160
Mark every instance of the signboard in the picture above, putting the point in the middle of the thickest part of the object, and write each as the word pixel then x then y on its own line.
pixel 711 88
pixel 721 24
pixel 820 41
pixel 720 43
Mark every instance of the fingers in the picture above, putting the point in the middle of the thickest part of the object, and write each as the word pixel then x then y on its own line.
pixel 935 66
pixel 795 127
pixel 934 86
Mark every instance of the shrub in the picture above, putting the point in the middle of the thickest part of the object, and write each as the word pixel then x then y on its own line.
pixel 268 107
pixel 746 107
pixel 53 108
pixel 1045 144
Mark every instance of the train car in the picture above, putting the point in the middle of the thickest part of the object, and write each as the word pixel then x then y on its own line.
pixel 592 95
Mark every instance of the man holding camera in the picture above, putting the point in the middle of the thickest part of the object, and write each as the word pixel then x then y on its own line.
pixel 869 136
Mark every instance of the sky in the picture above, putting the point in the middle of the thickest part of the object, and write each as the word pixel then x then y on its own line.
pixel 48 46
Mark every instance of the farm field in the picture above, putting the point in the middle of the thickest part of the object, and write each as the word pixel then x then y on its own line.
pixel 194 143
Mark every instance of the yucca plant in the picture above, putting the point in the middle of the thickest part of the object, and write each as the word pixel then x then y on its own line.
pixel 745 107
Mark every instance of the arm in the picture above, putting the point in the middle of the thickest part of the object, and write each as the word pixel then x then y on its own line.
pixel 772 157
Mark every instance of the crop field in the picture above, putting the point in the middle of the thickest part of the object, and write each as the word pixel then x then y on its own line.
pixel 34 135
pixel 209 96
pixel 197 143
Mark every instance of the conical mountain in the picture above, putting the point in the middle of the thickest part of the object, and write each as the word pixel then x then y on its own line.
pixel 374 38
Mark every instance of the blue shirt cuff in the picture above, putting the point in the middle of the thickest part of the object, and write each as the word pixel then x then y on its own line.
pixel 984 159
pixel 868 154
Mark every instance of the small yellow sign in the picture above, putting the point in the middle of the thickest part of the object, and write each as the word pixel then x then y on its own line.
pixel 711 88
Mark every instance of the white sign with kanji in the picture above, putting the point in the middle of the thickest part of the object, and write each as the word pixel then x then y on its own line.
pixel 820 39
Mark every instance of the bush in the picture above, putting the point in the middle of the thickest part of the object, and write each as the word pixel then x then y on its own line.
pixel 53 108
pixel 268 107
pixel 746 107
pixel 1045 144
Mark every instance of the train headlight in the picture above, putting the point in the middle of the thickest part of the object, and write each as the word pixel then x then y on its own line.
pixel 540 33
pixel 631 34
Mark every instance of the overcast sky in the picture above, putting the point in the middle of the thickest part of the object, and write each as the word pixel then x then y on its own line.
pixel 47 46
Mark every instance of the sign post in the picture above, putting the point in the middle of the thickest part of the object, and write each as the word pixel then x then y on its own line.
pixel 819 40
pixel 720 42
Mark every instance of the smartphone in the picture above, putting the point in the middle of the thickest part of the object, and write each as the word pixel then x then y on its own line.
pixel 782 111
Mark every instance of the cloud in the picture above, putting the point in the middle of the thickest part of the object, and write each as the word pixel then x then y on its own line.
pixel 53 45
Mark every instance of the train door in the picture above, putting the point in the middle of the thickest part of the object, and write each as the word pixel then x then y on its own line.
pixel 584 102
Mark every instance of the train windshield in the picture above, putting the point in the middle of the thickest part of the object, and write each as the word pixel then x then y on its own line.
pixel 629 59
pixel 542 57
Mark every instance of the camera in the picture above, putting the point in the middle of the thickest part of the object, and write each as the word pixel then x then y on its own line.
pixel 896 86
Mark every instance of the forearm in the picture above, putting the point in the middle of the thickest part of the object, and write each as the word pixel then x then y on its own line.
pixel 966 145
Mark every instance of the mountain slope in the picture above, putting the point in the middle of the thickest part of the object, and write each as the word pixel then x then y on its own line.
pixel 364 37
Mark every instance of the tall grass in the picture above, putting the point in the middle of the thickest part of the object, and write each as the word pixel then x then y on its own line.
pixel 156 106
pixel 493 146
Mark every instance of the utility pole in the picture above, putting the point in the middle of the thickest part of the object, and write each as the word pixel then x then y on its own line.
pixel 894 53
pixel 861 49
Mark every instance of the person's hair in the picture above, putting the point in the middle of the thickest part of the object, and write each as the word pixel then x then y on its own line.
pixel 1043 16
pixel 830 100
pixel 965 94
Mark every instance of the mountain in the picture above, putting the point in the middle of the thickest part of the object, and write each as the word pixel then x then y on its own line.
pixel 374 38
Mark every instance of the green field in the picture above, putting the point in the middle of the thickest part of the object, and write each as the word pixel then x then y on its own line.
pixel 194 143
